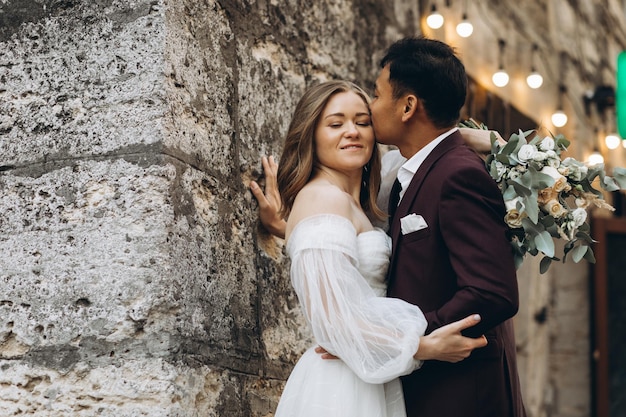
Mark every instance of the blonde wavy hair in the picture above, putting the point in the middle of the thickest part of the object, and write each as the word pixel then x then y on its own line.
pixel 298 159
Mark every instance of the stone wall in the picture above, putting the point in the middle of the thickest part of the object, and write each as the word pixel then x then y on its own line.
pixel 134 277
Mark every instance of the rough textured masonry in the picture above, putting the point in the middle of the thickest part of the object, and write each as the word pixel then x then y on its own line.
pixel 131 280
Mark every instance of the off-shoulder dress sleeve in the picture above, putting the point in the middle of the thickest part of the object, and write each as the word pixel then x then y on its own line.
pixel 375 336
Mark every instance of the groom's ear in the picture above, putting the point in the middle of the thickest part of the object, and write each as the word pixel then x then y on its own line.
pixel 411 105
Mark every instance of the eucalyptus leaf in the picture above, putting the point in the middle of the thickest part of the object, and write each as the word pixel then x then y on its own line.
pixel 511 145
pixel 589 256
pixel 584 236
pixel 619 174
pixel 578 252
pixel 544 243
pixel 532 229
pixel 544 264
pixel 539 180
pixel 548 221
pixel 561 142
pixel 609 184
pixel 531 207
pixel 509 193
pixel 520 188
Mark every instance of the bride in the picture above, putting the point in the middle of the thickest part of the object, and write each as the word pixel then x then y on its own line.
pixel 328 179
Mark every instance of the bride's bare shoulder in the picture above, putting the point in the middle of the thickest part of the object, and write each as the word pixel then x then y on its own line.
pixel 320 198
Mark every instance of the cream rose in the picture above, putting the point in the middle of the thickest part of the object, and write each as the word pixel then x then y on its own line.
pixel 554 209
pixel 560 182
pixel 513 217
pixel 545 195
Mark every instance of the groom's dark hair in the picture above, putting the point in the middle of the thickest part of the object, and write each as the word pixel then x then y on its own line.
pixel 431 70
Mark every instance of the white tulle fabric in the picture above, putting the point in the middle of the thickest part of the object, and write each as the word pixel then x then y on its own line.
pixel 339 279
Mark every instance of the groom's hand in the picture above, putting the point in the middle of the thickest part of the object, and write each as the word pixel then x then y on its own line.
pixel 269 202
pixel 325 355
pixel 448 344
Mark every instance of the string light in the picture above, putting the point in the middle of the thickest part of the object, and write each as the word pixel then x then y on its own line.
pixel 534 79
pixel 595 158
pixel 612 141
pixel 559 118
pixel 434 19
pixel 500 78
pixel 465 27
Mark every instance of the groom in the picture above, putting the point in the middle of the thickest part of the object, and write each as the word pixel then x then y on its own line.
pixel 451 255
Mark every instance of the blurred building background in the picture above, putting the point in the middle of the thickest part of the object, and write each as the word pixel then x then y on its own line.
pixel 134 276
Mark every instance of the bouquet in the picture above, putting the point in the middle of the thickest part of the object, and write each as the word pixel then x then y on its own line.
pixel 547 197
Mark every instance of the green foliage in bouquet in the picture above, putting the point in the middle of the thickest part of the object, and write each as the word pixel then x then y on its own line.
pixel 547 197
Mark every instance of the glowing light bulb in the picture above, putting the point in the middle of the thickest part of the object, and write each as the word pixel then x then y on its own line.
pixel 534 80
pixel 612 141
pixel 500 78
pixel 559 119
pixel 435 19
pixel 595 158
pixel 465 28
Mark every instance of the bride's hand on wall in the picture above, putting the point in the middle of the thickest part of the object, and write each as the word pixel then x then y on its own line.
pixel 269 202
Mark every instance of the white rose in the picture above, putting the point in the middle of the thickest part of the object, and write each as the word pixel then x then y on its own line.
pixel 554 162
pixel 540 156
pixel 547 144
pixel 526 153
pixel 579 216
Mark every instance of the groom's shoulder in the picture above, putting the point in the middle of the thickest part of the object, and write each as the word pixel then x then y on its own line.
pixel 463 156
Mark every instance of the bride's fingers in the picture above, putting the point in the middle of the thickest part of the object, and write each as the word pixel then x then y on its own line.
pixel 270 169
pixel 467 322
pixel 258 194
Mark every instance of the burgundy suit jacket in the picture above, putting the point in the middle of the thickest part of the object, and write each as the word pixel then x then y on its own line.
pixel 460 264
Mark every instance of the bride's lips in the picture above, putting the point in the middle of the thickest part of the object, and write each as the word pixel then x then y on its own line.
pixel 352 146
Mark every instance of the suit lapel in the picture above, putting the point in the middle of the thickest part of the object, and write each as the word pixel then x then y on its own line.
pixel 453 141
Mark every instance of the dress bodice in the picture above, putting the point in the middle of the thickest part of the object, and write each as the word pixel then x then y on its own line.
pixel 373 252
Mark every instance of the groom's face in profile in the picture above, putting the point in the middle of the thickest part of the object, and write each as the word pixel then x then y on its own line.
pixel 386 111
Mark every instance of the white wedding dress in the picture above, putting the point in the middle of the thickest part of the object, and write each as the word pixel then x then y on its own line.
pixel 339 279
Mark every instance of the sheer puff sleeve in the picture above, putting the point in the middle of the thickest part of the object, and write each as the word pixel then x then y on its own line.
pixel 375 336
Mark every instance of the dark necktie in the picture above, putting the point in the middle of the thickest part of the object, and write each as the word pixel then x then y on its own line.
pixel 394 198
